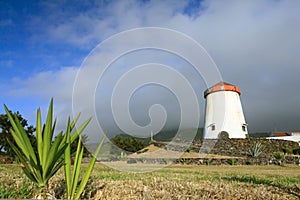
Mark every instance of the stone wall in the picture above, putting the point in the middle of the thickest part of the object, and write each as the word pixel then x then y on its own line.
pixel 278 152
pixel 241 147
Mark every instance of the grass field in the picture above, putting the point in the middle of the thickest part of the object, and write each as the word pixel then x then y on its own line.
pixel 173 182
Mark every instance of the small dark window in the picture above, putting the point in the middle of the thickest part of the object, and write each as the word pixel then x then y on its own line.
pixel 244 128
pixel 213 127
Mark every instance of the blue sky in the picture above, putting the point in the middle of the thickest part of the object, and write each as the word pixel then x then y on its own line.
pixel 255 45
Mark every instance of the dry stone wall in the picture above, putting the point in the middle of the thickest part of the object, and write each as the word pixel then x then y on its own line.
pixel 278 152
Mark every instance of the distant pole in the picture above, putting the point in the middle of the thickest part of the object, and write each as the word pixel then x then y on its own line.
pixel 151 138
pixel 275 128
pixel 151 135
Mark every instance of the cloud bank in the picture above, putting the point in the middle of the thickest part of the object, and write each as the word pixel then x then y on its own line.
pixel 255 45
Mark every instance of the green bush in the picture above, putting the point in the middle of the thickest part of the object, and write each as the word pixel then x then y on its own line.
pixel 207 162
pixel 128 143
pixel 189 149
pixel 296 151
pixel 167 160
pixel 232 161
pixel 249 162
pixel 278 156
pixel 183 161
pixel 287 150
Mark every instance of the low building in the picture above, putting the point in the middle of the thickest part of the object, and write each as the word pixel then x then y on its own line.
pixel 290 136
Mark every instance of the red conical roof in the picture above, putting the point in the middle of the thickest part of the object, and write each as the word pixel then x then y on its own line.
pixel 222 86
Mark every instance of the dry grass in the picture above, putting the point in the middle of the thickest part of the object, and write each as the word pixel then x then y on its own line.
pixel 173 182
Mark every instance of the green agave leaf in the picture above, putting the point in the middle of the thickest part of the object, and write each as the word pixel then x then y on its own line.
pixel 55 169
pixel 19 153
pixel 39 135
pixel 68 159
pixel 53 128
pixel 52 155
pixel 89 169
pixel 27 168
pixel 20 143
pixel 37 171
pixel 79 130
pixel 17 134
pixel 29 175
pixel 47 134
pixel 25 139
pixel 12 121
pixel 77 173
pixel 50 123
pixel 58 156
pixel 73 123
pixel 77 166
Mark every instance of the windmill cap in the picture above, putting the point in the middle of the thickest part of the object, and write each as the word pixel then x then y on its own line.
pixel 222 86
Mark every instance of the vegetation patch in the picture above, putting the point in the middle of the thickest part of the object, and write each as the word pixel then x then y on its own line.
pixel 173 182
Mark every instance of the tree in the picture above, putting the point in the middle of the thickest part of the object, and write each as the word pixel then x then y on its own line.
pixel 5 126
pixel 129 143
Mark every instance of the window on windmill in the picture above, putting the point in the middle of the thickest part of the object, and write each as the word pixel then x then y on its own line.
pixel 244 128
pixel 213 127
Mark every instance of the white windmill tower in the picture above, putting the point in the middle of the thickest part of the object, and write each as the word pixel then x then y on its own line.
pixel 224 112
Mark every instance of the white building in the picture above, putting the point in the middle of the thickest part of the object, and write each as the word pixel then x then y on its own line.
pixel 223 112
pixel 290 136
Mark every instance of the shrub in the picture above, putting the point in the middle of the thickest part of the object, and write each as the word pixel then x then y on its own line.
pixel 296 151
pixel 287 150
pixel 143 160
pixel 232 161
pixel 278 156
pixel 152 141
pixel 123 156
pixel 128 143
pixel 207 162
pixel 256 150
pixel 249 162
pixel 189 149
pixel 183 161
pixel 167 160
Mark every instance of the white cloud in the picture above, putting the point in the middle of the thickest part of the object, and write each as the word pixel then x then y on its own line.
pixel 41 87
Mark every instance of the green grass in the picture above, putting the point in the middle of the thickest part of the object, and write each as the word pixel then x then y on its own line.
pixel 285 179
pixel 13 183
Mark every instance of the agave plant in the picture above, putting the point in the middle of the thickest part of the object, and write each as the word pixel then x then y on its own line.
pixel 73 190
pixel 41 165
pixel 256 150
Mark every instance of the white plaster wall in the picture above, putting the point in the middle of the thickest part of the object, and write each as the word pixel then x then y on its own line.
pixel 224 110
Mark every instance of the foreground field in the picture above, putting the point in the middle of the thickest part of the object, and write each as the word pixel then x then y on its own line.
pixel 173 182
